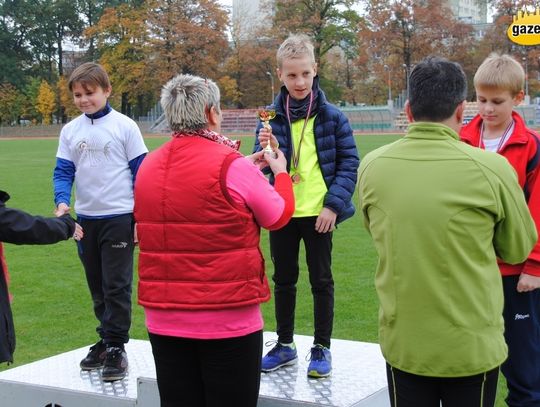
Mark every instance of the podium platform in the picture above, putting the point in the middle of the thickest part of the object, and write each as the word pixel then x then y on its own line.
pixel 358 380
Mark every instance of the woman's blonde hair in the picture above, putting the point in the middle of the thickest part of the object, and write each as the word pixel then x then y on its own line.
pixel 186 99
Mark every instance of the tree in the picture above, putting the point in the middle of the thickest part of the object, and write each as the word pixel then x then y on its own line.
pixel 91 11
pixel 186 37
pixel 30 91
pixel 345 65
pixel 16 57
pixel 532 57
pixel 347 75
pixel 256 58
pixel 143 45
pixel 332 25
pixel 65 98
pixel 250 61
pixel 50 24
pixel 9 103
pixel 122 37
pixel 46 102
pixel 496 40
pixel 328 22
pixel 400 33
pixel 32 38
pixel 230 95
pixel 66 24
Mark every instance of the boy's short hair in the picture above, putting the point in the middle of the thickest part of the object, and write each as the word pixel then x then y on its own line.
pixel 185 100
pixel 436 87
pixel 502 72
pixel 90 75
pixel 295 46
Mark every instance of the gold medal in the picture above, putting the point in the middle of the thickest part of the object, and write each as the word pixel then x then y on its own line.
pixel 296 178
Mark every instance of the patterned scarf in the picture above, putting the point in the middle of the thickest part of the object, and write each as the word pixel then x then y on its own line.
pixel 298 108
pixel 210 135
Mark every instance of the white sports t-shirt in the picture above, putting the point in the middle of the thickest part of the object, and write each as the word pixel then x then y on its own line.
pixel 101 152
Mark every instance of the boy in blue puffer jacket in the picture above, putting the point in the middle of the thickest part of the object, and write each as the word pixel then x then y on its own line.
pixel 322 161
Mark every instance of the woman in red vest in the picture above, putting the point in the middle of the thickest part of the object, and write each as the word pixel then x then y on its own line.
pixel 199 206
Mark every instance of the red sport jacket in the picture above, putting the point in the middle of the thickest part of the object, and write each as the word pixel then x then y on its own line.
pixel 522 150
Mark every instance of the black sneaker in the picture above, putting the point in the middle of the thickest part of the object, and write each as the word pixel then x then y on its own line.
pixel 116 364
pixel 95 358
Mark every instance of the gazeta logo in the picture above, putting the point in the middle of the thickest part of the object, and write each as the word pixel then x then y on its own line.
pixel 525 28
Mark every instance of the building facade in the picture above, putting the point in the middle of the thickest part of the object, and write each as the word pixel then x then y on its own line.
pixel 469 11
pixel 248 15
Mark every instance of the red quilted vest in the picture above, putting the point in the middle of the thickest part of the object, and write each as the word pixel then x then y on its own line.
pixel 198 248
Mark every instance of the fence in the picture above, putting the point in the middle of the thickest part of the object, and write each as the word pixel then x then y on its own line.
pixel 370 118
pixel 40 130
pixel 363 119
pixel 239 120
pixel 48 130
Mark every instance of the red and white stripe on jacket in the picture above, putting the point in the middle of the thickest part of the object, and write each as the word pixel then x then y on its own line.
pixel 522 150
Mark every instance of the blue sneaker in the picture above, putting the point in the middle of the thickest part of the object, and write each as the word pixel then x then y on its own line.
pixel 320 364
pixel 279 356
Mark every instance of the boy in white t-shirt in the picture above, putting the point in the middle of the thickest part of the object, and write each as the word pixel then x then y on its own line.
pixel 100 151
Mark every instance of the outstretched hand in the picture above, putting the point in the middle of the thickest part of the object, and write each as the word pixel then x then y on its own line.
pixel 61 209
pixel 276 161
pixel 79 233
pixel 258 159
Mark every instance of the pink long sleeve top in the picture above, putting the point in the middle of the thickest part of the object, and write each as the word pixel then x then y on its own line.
pixel 272 207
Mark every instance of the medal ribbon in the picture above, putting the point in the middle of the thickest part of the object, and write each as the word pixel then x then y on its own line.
pixel 296 155
pixel 503 139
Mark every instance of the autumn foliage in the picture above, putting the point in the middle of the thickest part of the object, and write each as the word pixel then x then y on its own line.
pixel 364 50
pixel 46 102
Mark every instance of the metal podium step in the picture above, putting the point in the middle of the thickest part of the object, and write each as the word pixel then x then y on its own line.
pixel 358 380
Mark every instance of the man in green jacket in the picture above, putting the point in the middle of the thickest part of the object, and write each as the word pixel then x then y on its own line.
pixel 440 212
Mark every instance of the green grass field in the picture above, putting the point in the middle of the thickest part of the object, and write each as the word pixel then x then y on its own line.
pixel 52 306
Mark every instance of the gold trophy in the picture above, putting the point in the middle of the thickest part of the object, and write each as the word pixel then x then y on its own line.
pixel 265 115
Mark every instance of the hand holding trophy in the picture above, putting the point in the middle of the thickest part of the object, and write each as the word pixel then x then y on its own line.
pixel 265 115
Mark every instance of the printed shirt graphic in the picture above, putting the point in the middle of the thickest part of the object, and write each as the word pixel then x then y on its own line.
pixel 94 150
pixel 101 152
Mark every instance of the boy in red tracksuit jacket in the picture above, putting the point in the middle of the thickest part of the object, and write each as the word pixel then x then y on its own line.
pixel 499 87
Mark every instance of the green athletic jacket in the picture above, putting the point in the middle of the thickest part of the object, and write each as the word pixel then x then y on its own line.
pixel 439 212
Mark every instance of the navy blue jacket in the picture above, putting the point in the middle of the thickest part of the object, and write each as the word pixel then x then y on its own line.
pixel 336 152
